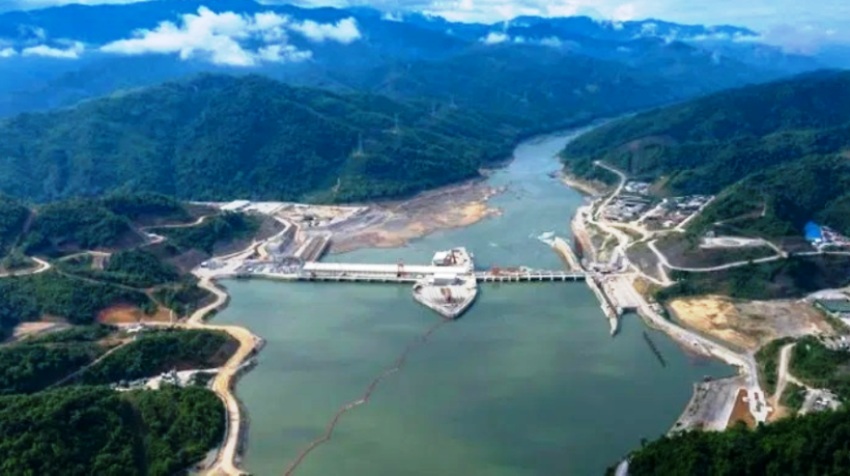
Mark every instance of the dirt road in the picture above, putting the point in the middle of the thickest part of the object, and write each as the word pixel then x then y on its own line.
pixel 42 267
pixel 222 385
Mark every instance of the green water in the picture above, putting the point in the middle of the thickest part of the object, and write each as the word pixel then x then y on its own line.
pixel 528 382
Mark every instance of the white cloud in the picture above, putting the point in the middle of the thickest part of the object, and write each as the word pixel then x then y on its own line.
pixel 494 38
pixel 7 52
pixel 392 16
pixel 803 39
pixel 223 38
pixel 283 53
pixel 552 41
pixel 73 51
pixel 344 31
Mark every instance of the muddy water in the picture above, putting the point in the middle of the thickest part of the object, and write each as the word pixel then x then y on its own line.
pixel 527 383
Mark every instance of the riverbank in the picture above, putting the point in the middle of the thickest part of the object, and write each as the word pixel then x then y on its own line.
pixel 587 187
pixel 227 459
pixel 395 224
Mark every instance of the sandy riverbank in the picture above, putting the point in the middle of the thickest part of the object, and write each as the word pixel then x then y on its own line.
pixel 394 224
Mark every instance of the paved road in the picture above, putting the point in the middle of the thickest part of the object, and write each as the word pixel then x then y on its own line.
pixel 663 259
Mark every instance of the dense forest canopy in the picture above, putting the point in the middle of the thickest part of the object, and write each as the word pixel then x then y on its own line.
pixel 228 226
pixel 28 368
pixel 95 223
pixel 28 298
pixel 78 290
pixel 13 215
pixel 157 352
pixel 812 445
pixel 142 207
pixel 95 430
pixel 795 277
pixel 785 139
pixel 782 199
pixel 820 367
pixel 220 137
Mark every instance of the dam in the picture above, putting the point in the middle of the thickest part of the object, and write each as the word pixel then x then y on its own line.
pixel 448 285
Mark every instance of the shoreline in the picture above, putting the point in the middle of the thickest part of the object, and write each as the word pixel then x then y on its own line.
pixel 715 395
pixel 585 187
pixel 228 455
pixel 395 224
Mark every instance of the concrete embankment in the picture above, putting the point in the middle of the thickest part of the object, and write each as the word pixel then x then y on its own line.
pixel 566 252
pixel 583 240
pixel 609 310
pixel 448 301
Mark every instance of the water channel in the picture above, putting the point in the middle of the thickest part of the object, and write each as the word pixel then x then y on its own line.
pixel 527 383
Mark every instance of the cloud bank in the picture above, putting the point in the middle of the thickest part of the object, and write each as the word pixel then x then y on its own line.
pixel 73 51
pixel 232 39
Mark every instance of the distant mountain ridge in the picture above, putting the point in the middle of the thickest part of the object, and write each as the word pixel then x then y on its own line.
pixel 219 137
pixel 684 59
pixel 777 151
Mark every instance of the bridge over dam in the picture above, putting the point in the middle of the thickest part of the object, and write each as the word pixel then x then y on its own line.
pixel 381 273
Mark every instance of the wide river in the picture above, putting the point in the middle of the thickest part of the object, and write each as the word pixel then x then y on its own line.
pixel 528 383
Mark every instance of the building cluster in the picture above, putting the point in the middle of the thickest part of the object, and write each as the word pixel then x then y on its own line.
pixel 632 202
pixel 671 212
pixel 836 343
pixel 635 203
pixel 172 377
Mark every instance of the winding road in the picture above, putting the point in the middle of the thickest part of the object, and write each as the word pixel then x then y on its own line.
pixel 42 267
pixel 745 362
pixel 222 384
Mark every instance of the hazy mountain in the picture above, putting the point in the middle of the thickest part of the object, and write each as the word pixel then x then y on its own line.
pixel 36 76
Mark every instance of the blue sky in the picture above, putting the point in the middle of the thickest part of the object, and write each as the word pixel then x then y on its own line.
pixel 822 18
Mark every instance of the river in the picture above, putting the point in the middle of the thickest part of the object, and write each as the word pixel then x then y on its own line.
pixel 527 383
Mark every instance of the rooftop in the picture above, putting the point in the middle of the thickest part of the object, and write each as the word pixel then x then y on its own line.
pixel 369 268
pixel 835 305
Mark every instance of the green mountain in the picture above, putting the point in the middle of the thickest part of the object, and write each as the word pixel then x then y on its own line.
pixel 544 88
pixel 220 137
pixel 13 216
pixel 96 430
pixel 813 444
pixel 773 151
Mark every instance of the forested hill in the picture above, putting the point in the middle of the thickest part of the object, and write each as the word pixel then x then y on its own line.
pixel 785 141
pixel 220 137
pixel 813 444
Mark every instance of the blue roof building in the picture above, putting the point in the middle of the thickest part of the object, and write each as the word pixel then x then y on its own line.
pixel 813 232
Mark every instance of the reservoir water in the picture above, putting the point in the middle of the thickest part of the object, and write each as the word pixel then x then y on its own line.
pixel 527 383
